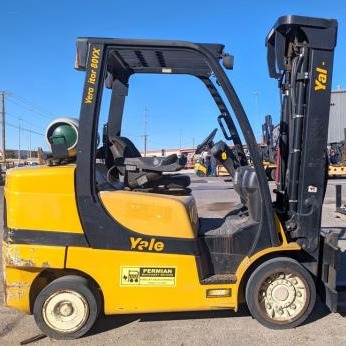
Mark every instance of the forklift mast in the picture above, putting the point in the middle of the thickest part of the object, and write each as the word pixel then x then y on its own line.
pixel 300 56
pixel 267 131
pixel 269 152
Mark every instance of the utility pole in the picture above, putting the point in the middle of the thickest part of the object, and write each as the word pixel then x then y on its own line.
pixel 19 141
pixel 257 94
pixel 29 138
pixel 3 126
pixel 145 131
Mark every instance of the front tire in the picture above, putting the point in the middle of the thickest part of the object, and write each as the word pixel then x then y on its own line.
pixel 280 293
pixel 67 308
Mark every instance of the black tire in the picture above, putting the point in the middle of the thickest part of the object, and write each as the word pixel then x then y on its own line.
pixel 280 293
pixel 273 174
pixel 268 174
pixel 66 299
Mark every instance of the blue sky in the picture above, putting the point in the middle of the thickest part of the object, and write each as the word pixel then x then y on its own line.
pixel 38 50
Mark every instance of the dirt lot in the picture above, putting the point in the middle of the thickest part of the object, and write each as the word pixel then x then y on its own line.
pixel 195 328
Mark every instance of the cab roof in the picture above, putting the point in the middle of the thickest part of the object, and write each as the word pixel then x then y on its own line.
pixel 151 56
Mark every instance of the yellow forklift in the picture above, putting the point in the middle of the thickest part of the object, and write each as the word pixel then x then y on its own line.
pixel 102 229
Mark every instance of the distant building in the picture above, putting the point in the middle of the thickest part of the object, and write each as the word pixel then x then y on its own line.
pixel 337 117
pixel 23 154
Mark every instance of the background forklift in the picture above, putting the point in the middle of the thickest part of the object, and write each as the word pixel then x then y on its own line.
pixel 269 148
pixel 107 212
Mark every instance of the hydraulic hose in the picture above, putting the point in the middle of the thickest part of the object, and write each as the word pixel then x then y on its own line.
pixel 298 96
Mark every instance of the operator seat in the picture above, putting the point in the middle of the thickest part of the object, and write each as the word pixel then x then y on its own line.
pixel 146 173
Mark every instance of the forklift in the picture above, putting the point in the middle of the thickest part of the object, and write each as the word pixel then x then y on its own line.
pixel 269 148
pixel 101 229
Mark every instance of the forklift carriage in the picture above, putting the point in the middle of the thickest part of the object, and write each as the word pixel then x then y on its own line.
pixel 124 236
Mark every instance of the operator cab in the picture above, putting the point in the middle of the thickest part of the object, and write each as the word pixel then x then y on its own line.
pixel 219 245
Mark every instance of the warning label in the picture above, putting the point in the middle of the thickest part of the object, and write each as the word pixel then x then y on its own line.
pixel 148 276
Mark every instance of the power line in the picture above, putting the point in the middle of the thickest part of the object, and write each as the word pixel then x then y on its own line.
pixel 31 104
pixel 31 109
pixel 28 105
pixel 18 117
pixel 22 128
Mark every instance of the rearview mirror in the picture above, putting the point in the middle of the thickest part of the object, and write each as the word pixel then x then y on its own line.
pixel 227 61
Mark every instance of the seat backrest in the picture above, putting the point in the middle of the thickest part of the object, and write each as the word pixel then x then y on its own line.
pixel 144 172
pixel 122 147
pixel 246 185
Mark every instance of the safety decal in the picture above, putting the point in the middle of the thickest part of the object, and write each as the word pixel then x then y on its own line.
pixel 148 276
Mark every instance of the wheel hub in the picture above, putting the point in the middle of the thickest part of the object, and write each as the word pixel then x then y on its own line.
pixel 65 311
pixel 282 296
pixel 281 293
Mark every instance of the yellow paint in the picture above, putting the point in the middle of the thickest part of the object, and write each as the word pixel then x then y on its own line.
pixel 153 214
pixel 93 73
pixel 33 256
pixel 42 198
pixel 140 244
pixel 186 294
pixel 334 170
pixel 270 165
pixel 179 292
pixel 221 171
pixel 199 167
pixel 280 230
pixel 321 79
pixel 21 265
pixel 17 287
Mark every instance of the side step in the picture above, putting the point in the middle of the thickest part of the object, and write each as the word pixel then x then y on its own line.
pixel 220 279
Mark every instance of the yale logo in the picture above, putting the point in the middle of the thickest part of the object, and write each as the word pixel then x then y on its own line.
pixel 142 245
pixel 321 80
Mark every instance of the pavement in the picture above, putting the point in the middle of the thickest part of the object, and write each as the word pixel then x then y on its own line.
pixel 214 196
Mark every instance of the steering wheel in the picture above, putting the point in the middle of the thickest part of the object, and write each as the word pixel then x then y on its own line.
pixel 207 143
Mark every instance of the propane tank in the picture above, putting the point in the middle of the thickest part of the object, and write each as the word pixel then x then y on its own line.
pixel 64 131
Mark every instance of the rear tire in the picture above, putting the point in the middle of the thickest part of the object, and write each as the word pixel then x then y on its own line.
pixel 273 174
pixel 280 293
pixel 67 308
pixel 269 174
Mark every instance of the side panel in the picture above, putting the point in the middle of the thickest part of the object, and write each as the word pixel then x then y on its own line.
pixel 42 198
pixel 134 282
pixel 153 214
pixel 165 282
pixel 21 265
pixel 17 287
